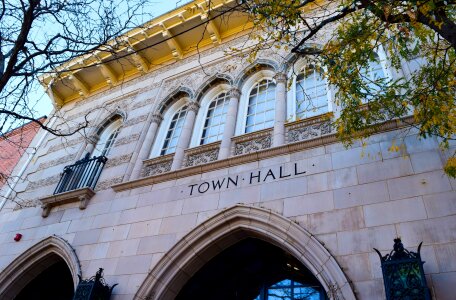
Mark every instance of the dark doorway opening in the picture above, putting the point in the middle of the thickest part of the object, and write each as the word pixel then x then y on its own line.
pixel 253 269
pixel 54 283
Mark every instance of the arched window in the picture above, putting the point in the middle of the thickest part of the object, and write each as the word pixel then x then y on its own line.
pixel 107 138
pixel 174 131
pixel 371 75
pixel 215 119
pixel 261 106
pixel 311 93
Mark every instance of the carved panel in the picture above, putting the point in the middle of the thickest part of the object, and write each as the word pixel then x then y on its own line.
pixel 308 129
pixel 201 155
pixel 253 142
pixel 157 165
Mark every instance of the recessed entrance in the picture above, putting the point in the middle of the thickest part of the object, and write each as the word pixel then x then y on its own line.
pixel 253 269
pixel 54 283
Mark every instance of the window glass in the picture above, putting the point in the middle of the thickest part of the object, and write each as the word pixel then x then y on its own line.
pixel 215 120
pixel 369 75
pixel 260 111
pixel 290 290
pixel 311 94
pixel 174 131
pixel 107 138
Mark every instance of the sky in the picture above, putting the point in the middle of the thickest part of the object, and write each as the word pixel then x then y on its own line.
pixel 159 7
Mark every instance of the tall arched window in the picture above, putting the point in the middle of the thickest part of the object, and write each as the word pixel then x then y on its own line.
pixel 107 138
pixel 261 106
pixel 174 131
pixel 370 75
pixel 215 119
pixel 311 93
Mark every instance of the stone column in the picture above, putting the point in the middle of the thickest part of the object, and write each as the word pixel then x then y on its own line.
pixel 278 135
pixel 185 136
pixel 144 152
pixel 230 124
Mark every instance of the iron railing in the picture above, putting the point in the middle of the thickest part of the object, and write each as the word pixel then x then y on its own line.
pixel 84 173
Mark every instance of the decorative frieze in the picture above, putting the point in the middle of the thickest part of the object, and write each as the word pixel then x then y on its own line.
pixel 127 140
pixel 56 162
pixel 309 128
pixel 115 161
pixel 43 182
pixel 65 144
pixel 158 165
pixel 106 184
pixel 252 142
pixel 201 155
pixel 135 121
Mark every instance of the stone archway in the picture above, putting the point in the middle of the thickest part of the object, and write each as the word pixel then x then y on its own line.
pixel 229 227
pixel 34 261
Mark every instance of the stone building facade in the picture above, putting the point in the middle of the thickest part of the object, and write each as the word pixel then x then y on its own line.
pixel 182 191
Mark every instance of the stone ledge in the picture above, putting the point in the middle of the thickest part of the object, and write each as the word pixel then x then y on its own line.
pixel 83 195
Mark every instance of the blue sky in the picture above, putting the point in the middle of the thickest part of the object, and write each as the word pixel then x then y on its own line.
pixel 159 7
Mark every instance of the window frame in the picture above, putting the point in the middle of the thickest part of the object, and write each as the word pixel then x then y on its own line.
pixel 202 112
pixel 247 88
pixel 164 127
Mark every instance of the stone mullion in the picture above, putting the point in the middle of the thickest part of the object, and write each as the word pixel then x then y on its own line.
pixel 146 147
pixel 230 124
pixel 278 135
pixel 185 136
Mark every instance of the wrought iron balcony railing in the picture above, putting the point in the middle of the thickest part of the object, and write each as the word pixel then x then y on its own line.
pixel 84 173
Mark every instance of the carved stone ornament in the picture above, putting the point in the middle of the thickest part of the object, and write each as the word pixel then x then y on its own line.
pixel 193 106
pixel 309 132
pixel 253 142
pixel 235 93
pixel 201 155
pixel 157 118
pixel 157 165
pixel 82 195
pixel 280 78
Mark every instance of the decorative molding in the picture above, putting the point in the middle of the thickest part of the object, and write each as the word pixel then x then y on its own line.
pixel 127 139
pixel 57 162
pixel 251 157
pixel 158 165
pixel 82 195
pixel 106 184
pixel 252 142
pixel 201 155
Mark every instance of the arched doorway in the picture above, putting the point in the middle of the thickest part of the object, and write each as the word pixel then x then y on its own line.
pixel 230 227
pixel 253 269
pixel 47 270
pixel 53 283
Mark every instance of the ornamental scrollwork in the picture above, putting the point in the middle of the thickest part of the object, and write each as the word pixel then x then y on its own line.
pixel 253 145
pixel 201 158
pixel 309 132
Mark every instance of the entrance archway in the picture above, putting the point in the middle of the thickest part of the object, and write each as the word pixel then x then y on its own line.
pixel 40 269
pixel 230 227
pixel 253 269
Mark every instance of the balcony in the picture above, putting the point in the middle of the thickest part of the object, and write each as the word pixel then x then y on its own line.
pixel 76 184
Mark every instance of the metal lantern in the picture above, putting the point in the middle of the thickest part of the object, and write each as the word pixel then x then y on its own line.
pixel 94 288
pixel 403 274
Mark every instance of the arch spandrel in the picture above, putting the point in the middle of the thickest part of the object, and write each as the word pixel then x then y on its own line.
pixel 229 227
pixel 259 64
pixel 33 261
